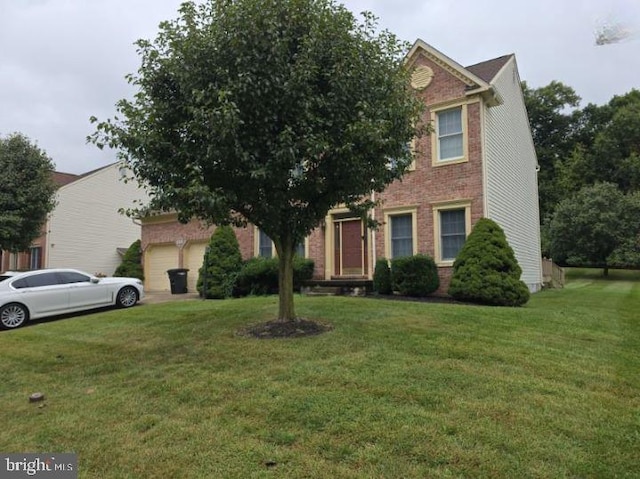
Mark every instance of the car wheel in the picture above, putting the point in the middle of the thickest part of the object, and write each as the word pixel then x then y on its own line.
pixel 127 297
pixel 13 315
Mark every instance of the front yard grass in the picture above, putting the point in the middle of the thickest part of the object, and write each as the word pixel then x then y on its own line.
pixel 395 390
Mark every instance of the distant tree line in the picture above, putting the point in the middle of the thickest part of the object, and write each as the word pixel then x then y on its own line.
pixel 589 179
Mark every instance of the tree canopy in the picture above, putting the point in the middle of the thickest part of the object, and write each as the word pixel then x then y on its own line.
pixel 553 118
pixel 269 112
pixel 27 193
pixel 587 228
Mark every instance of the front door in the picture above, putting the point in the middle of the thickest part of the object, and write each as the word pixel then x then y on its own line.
pixel 350 252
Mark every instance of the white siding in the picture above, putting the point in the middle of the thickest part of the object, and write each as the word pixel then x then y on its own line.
pixel 512 184
pixel 86 229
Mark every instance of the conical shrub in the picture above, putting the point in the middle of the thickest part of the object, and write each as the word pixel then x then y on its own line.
pixel 486 270
pixel 131 266
pixel 221 264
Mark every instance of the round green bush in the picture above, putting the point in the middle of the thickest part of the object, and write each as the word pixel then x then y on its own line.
pixel 486 270
pixel 414 275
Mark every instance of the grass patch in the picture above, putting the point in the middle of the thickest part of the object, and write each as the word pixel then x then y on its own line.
pixel 396 389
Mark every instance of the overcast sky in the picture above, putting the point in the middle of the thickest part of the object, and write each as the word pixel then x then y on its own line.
pixel 62 61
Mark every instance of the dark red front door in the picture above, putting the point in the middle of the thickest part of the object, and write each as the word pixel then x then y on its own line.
pixel 351 248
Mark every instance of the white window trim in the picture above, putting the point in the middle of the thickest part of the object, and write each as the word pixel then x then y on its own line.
pixel 388 214
pixel 447 206
pixel 435 141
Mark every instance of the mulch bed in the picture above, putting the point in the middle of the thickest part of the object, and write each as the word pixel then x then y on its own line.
pixel 296 328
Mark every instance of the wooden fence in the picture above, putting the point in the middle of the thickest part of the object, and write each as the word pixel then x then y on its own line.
pixel 552 274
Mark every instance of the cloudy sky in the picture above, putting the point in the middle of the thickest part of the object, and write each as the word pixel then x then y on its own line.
pixel 62 61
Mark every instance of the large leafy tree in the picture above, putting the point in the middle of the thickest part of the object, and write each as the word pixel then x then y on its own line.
pixel 587 228
pixel 27 193
pixel 269 112
pixel 609 146
pixel 553 119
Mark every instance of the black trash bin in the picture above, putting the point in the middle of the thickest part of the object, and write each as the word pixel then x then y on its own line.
pixel 178 280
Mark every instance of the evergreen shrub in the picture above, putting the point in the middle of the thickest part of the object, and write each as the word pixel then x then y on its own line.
pixel 131 266
pixel 259 276
pixel 486 270
pixel 414 275
pixel 382 277
pixel 222 263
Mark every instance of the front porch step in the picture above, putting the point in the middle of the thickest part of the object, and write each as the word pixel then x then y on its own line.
pixel 337 287
pixel 321 291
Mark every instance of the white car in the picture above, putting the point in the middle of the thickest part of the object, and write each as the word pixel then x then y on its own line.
pixel 49 292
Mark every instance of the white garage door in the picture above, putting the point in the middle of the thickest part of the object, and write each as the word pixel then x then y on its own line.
pixel 157 260
pixel 193 259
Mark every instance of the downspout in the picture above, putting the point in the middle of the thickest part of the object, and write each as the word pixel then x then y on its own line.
pixel 373 237
pixel 483 136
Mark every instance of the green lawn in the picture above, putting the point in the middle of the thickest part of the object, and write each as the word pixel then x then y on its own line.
pixel 395 390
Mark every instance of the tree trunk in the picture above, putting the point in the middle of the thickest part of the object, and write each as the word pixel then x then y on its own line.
pixel 605 273
pixel 284 248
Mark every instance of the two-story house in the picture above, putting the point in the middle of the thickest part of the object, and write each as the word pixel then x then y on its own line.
pixel 479 161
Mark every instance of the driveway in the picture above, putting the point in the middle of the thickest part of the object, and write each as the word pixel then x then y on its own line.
pixel 153 297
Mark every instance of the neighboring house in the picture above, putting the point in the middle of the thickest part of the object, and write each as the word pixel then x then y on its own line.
pixel 87 231
pixel 35 257
pixel 478 162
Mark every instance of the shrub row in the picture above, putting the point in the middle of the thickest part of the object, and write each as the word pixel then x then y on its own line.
pixel 259 276
pixel 485 271
pixel 410 276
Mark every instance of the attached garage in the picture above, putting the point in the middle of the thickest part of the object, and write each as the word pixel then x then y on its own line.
pixel 157 260
pixel 193 259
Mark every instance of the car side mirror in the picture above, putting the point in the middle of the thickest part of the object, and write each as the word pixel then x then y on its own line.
pixel 95 280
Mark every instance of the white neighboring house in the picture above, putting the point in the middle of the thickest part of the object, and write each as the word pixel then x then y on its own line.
pixel 86 231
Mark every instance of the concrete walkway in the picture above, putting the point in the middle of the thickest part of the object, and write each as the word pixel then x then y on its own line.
pixel 153 297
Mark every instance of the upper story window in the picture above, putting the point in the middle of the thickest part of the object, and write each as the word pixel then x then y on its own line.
pixel 450 134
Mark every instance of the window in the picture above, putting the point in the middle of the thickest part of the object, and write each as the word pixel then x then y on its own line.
pixel 265 246
pixel 452 223
pixel 452 232
pixel 37 280
pixel 450 134
pixel 35 258
pixel 401 235
pixel 73 277
pixel 410 147
pixel 400 232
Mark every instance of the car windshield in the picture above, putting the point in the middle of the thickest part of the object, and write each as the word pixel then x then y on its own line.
pixel 5 276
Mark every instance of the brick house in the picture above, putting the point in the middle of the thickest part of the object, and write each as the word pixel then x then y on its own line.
pixel 35 257
pixel 478 162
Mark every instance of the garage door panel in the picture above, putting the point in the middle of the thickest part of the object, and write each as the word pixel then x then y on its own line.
pixel 194 257
pixel 157 260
